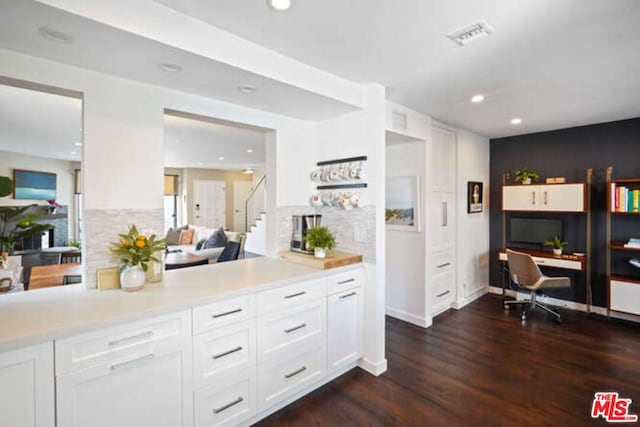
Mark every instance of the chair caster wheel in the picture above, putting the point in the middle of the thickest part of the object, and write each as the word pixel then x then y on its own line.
pixel 506 306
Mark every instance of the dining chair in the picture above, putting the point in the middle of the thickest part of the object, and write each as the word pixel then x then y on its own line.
pixel 50 258
pixel 69 279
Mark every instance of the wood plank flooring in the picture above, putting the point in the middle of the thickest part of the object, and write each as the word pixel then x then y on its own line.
pixel 480 366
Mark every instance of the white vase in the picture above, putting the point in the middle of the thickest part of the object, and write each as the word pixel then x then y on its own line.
pixel 132 278
pixel 526 181
pixel 557 252
pixel 319 253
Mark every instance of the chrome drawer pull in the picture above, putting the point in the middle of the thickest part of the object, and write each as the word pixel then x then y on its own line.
pixel 228 405
pixel 237 310
pixel 132 337
pixel 443 265
pixel 348 295
pixel 295 295
pixel 226 353
pixel 533 197
pixel 295 328
pixel 296 372
pixel 442 294
pixel 545 197
pixel 347 281
pixel 129 362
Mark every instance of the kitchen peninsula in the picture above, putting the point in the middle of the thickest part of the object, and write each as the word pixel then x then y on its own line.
pixel 215 344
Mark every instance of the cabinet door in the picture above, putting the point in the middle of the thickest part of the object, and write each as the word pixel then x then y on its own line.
pixel 443 159
pixel 141 389
pixel 345 328
pixel 521 198
pixel 26 387
pixel 562 198
pixel 441 221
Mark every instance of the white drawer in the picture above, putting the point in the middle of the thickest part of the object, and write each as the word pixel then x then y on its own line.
pixel 441 262
pixel 229 402
pixel 624 296
pixel 282 333
pixel 222 350
pixel 221 313
pixel 284 377
pixel 109 344
pixel 442 292
pixel 291 295
pixel 343 281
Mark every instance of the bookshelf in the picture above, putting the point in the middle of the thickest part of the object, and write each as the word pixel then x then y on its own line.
pixel 623 213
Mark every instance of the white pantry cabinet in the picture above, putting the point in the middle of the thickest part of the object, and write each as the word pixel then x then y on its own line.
pixel 544 198
pixel 27 387
pixel 345 328
pixel 142 376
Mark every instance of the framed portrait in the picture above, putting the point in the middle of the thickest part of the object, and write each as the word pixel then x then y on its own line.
pixel 474 197
pixel 32 185
pixel 402 203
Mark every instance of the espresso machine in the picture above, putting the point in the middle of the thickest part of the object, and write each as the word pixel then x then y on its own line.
pixel 302 223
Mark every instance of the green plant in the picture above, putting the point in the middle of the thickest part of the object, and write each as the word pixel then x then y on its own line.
pixel 15 225
pixel 522 175
pixel 556 242
pixel 6 186
pixel 320 237
pixel 75 243
pixel 134 248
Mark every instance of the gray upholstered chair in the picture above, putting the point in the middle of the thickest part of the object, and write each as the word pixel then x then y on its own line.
pixel 524 273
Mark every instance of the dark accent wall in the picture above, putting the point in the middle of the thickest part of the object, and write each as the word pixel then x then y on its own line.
pixel 569 153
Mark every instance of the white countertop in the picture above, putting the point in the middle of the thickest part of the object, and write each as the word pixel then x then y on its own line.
pixel 33 317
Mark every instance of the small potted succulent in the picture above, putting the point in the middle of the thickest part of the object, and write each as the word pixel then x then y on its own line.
pixel 557 244
pixel 320 240
pixel 526 176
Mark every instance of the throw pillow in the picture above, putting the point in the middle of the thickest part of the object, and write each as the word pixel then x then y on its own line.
pixel 173 236
pixel 186 237
pixel 200 244
pixel 216 240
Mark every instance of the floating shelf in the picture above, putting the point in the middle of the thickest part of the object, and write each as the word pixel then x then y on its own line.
pixel 619 246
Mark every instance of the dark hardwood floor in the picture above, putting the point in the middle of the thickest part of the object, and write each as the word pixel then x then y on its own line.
pixel 480 366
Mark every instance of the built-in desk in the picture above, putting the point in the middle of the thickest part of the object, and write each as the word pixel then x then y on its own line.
pixel 548 259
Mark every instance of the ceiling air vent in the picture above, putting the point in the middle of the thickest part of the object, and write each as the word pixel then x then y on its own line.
pixel 472 32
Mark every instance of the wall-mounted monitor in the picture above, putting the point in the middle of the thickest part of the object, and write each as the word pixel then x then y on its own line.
pixel 32 185
pixel 533 230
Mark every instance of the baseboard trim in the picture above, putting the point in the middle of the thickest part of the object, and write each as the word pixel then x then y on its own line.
pixel 408 317
pixel 471 298
pixel 374 368
pixel 571 305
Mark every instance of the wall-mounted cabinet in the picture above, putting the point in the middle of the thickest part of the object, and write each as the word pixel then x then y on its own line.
pixel 623 250
pixel 544 198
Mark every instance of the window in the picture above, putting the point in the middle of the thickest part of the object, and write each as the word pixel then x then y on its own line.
pixel 171 186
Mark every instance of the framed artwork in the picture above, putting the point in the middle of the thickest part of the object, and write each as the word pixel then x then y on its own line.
pixel 474 197
pixel 402 203
pixel 34 185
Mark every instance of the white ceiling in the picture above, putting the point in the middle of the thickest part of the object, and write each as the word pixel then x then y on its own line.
pixel 553 63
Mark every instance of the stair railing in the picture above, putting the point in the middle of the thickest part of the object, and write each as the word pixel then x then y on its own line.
pixel 262 182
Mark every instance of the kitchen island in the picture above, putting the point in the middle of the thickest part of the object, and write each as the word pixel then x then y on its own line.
pixel 209 345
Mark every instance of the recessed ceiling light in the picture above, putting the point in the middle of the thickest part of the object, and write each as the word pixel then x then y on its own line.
pixel 249 150
pixel 55 35
pixel 516 121
pixel 200 163
pixel 247 89
pixel 73 153
pixel 220 158
pixel 170 68
pixel 476 99
pixel 279 5
pixel 78 144
pixel 247 171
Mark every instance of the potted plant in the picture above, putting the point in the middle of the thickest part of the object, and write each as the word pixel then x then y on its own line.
pixel 53 206
pixel 320 240
pixel 557 244
pixel 526 176
pixel 15 223
pixel 135 251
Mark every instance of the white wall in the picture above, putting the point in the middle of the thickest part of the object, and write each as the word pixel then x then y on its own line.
pixel 473 229
pixel 405 250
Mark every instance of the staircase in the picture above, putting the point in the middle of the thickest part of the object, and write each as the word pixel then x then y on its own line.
pixel 256 237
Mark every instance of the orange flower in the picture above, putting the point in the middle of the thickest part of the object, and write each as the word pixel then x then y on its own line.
pixel 140 243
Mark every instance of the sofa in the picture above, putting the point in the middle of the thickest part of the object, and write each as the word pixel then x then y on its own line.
pixel 203 233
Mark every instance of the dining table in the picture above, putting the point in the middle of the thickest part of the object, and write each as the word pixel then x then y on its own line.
pixel 46 276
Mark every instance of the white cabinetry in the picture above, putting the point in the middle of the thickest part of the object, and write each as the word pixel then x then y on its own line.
pixel 133 375
pixel 345 319
pixel 26 387
pixel 544 198
pixel 624 296
pixel 441 206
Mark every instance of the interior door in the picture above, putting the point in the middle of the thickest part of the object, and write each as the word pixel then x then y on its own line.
pixel 241 190
pixel 209 203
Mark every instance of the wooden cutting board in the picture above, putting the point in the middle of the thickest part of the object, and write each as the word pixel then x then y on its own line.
pixel 334 259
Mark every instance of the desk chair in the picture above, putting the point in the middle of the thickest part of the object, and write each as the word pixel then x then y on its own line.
pixel 524 272
pixel 50 258
pixel 230 252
